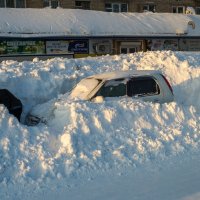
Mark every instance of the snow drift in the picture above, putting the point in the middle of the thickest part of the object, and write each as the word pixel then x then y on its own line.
pixel 83 136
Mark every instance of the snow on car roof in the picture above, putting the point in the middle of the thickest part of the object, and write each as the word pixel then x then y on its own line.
pixel 123 74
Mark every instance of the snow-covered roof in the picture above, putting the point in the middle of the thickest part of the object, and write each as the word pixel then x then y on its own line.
pixel 73 22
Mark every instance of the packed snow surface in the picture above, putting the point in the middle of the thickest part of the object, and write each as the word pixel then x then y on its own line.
pixel 84 138
pixel 75 22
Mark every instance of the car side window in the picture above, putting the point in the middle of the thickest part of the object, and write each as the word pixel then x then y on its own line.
pixel 142 86
pixel 113 88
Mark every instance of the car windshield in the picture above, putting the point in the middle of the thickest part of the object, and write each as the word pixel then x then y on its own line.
pixel 83 88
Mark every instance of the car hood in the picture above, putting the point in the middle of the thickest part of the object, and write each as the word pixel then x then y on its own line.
pixel 46 111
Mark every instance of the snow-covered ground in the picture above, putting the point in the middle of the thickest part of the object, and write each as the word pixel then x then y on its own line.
pixel 118 149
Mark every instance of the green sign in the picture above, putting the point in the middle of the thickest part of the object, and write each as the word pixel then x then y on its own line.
pixel 22 47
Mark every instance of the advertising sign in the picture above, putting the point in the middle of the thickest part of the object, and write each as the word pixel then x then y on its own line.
pixel 3 47
pixel 22 47
pixel 67 46
pixel 189 44
pixel 164 44
pixel 79 46
pixel 98 46
pixel 57 47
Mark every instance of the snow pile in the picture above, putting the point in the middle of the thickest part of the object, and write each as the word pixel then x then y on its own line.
pixel 83 136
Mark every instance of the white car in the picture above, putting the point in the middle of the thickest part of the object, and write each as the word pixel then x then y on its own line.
pixel 148 85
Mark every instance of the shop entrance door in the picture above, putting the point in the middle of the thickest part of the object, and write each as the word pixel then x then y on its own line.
pixel 125 50
pixel 130 47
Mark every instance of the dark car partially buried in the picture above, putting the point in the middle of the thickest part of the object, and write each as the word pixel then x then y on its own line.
pixel 12 103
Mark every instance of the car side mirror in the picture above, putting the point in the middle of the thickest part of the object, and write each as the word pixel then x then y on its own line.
pixel 98 99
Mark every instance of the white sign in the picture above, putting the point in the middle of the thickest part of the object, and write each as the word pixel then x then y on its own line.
pixel 164 44
pixel 57 47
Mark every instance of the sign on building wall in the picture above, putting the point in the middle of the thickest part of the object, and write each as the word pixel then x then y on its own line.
pixel 22 47
pixel 79 46
pixel 57 47
pixel 163 44
pixel 67 46
pixel 99 46
pixel 174 44
pixel 189 45
pixel 18 47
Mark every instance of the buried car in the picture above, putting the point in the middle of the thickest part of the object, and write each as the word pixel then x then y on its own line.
pixel 12 103
pixel 148 85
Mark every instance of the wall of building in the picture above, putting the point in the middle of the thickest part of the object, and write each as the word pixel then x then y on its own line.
pixel 44 48
pixel 34 4
pixel 133 5
pixel 67 3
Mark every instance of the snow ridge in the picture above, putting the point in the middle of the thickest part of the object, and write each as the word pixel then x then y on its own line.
pixel 83 136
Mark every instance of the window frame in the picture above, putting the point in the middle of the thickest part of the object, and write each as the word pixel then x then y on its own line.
pixel 122 80
pixel 109 7
pixel 15 4
pixel 83 5
pixel 48 3
pixel 197 10
pixel 176 9
pixel 143 94
pixel 3 5
pixel 148 8
pixel 54 4
pixel 129 93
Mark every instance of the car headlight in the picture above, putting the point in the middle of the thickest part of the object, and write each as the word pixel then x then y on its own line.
pixel 32 120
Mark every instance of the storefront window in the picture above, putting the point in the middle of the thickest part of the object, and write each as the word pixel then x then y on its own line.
pixel 130 47
pixel 124 50
pixel 132 50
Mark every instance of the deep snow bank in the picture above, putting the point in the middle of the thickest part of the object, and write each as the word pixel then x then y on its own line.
pixel 83 136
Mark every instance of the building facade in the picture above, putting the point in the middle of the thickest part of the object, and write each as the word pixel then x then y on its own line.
pixel 55 37
pixel 169 6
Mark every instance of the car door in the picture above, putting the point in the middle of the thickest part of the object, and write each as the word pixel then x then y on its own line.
pixel 144 87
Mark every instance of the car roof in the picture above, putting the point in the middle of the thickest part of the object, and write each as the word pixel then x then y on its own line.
pixel 124 74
